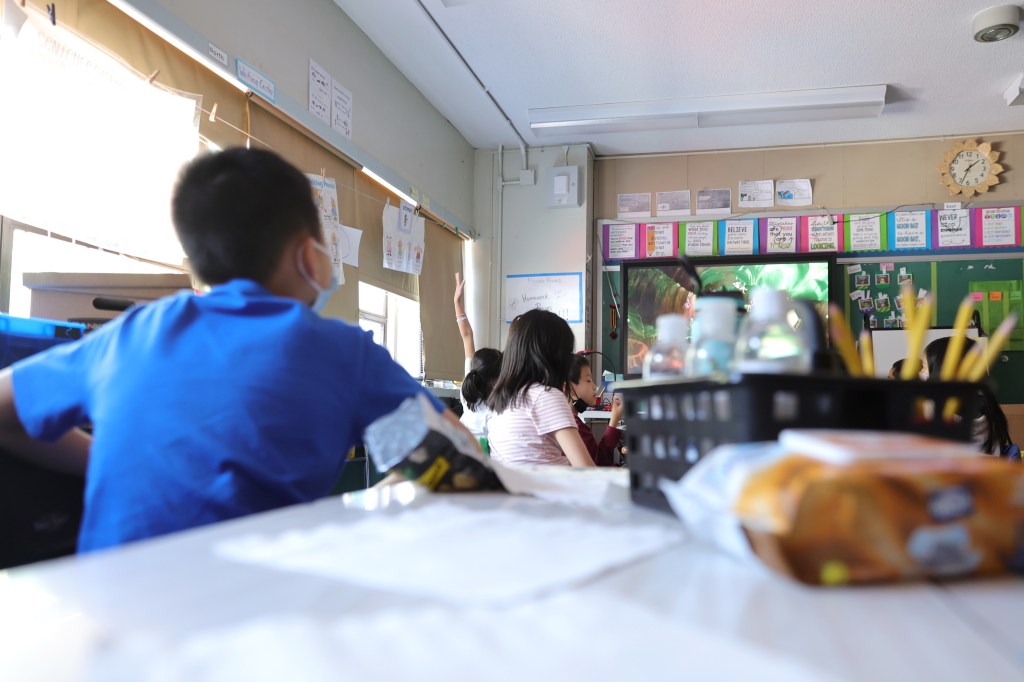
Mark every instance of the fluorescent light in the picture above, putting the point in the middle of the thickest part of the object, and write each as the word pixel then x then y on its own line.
pixel 824 104
pixel 177 42
pixel 391 188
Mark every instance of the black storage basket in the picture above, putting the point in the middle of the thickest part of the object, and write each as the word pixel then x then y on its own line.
pixel 672 423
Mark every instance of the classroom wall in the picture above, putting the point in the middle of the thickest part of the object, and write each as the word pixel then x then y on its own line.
pixel 867 175
pixel 525 236
pixel 391 118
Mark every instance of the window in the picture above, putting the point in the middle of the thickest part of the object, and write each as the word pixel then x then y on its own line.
pixel 35 251
pixel 395 323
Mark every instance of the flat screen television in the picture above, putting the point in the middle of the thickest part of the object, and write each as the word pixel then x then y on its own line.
pixel 658 286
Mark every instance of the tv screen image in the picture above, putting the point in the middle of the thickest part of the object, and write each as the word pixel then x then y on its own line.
pixel 654 288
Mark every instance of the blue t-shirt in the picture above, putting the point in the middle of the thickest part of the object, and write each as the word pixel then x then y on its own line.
pixel 209 407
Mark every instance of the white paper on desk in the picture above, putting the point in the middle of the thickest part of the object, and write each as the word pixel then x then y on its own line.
pixel 567 637
pixel 595 487
pixel 447 552
pixel 704 497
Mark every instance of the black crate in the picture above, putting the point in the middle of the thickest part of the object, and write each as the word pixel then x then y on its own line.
pixel 672 423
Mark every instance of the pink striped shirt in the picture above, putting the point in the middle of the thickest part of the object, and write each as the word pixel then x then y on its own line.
pixel 525 434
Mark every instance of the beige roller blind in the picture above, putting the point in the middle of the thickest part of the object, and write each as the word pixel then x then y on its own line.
pixel 361 200
pixel 443 357
pixel 141 49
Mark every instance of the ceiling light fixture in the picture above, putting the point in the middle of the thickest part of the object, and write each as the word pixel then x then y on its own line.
pixel 387 185
pixel 824 104
pixel 996 23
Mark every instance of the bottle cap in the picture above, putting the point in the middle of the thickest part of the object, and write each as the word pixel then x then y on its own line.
pixel 672 328
pixel 717 317
pixel 767 304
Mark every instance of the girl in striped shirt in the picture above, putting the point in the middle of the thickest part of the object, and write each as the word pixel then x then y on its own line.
pixel 532 422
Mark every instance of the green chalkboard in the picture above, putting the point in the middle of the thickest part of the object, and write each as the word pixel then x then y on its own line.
pixel 880 284
pixel 956 279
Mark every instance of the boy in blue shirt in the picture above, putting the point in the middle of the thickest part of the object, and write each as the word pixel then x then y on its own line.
pixel 208 407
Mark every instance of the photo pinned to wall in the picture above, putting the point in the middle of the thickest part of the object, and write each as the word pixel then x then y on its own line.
pixel 872 322
pixel 882 303
pixel 905 278
pixel 866 305
pixel 882 279
pixel 890 323
pixel 862 280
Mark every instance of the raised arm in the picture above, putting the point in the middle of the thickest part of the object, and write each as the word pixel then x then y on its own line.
pixel 69 454
pixel 465 329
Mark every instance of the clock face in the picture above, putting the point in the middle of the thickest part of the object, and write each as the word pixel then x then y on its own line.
pixel 969 168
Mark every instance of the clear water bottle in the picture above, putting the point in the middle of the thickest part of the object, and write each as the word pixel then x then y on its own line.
pixel 768 343
pixel 713 342
pixel 667 357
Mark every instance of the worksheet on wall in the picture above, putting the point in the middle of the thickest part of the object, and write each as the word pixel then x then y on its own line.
pixel 714 201
pixel 793 192
pixel 341 109
pixel 319 92
pixel 559 292
pixel 757 193
pixel 636 205
pixel 674 203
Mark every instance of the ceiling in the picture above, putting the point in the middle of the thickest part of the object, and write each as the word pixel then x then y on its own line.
pixel 553 53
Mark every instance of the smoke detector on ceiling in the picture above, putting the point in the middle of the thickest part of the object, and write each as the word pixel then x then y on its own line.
pixel 996 23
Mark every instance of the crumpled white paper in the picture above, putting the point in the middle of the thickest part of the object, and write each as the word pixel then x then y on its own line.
pixel 443 551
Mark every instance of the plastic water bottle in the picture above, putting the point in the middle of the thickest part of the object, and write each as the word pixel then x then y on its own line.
pixel 667 357
pixel 713 343
pixel 767 343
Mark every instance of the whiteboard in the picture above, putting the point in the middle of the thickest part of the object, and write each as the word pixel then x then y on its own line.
pixel 559 292
pixel 890 345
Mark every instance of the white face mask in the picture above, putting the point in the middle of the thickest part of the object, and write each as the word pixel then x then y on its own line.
pixel 322 295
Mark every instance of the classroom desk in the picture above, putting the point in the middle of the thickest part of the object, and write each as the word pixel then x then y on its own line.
pixel 60 613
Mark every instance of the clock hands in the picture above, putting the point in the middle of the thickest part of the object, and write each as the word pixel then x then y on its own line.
pixel 964 176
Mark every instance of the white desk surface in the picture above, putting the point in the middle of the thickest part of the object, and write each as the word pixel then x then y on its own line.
pixel 173 586
pixel 596 415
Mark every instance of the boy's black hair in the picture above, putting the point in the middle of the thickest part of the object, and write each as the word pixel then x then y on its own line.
pixel 236 210
pixel 997 438
pixel 576 365
pixel 538 351
pixel 483 372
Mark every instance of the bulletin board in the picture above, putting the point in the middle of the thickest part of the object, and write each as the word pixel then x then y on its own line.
pixel 996 285
pixel 880 284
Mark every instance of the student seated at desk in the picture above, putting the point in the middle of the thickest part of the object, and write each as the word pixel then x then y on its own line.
pixel 532 422
pixel 214 406
pixel 583 393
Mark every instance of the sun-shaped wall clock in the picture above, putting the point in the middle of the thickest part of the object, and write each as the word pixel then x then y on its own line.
pixel 968 168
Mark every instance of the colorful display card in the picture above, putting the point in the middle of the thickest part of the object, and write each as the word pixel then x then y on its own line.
pixel 698 238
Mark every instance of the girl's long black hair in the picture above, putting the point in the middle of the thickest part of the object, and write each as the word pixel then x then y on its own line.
pixel 483 372
pixel 997 439
pixel 538 351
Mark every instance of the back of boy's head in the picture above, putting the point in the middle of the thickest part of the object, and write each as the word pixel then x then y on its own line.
pixel 483 372
pixel 576 365
pixel 235 211
pixel 538 351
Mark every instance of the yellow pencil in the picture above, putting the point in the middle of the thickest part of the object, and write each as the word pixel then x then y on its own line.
pixel 915 339
pixel 977 361
pixel 972 357
pixel 844 341
pixel 867 354
pixel 956 342
pixel 909 305
pixel 993 347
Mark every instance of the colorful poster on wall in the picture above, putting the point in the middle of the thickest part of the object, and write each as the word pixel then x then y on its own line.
pixel 910 230
pixel 821 233
pixel 865 231
pixel 738 237
pixel 620 241
pixel 660 240
pixel 778 235
pixel 997 226
pixel 952 229
pixel 698 238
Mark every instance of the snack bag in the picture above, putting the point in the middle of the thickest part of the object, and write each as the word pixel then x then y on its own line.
pixel 840 508
pixel 418 443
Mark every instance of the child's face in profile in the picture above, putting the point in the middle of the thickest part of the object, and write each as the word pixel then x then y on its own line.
pixel 586 389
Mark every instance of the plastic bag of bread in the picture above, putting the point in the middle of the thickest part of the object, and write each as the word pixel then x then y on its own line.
pixel 416 442
pixel 835 508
